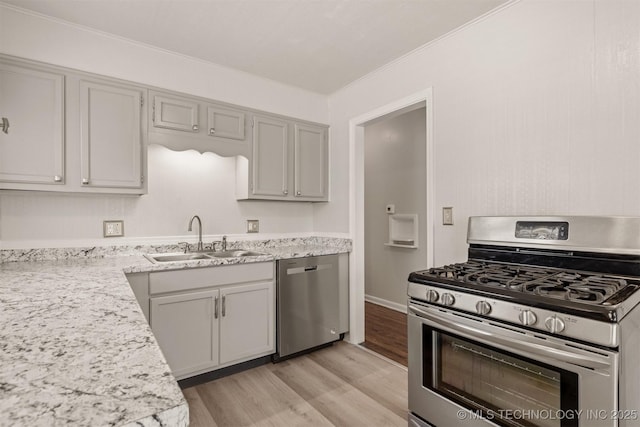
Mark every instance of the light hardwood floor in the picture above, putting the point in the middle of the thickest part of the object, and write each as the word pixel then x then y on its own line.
pixel 342 385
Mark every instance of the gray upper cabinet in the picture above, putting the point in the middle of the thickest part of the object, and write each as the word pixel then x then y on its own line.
pixel 111 135
pixel 310 161
pixel 288 161
pixel 31 126
pixel 175 113
pixel 270 155
pixel 184 123
pixel 225 123
pixel 70 131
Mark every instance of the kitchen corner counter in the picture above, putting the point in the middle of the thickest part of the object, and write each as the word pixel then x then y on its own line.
pixel 75 348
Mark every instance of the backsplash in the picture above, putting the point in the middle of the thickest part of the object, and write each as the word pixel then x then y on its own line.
pixel 46 254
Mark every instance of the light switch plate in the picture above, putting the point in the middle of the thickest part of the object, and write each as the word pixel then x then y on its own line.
pixel 113 228
pixel 447 216
pixel 253 226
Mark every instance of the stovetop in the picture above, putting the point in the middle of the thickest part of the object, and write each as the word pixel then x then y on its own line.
pixel 598 296
pixel 565 285
pixel 574 277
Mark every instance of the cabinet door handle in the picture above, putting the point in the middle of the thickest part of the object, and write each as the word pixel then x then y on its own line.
pixel 195 127
pixel 298 193
pixel 212 131
pixel 224 305
pixel 215 305
pixel 285 192
pixel 57 178
pixel 5 125
pixel 85 181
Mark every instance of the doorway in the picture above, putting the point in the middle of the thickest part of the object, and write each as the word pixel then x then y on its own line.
pixel 394 209
pixel 357 199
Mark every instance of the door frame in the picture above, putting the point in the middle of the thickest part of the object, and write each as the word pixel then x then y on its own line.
pixel 356 199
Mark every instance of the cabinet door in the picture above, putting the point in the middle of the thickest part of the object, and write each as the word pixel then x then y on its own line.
pixel 225 123
pixel 270 157
pixel 111 135
pixel 32 104
pixel 310 161
pixel 186 328
pixel 175 113
pixel 246 321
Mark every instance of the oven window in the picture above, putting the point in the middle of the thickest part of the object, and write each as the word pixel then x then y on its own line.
pixel 508 389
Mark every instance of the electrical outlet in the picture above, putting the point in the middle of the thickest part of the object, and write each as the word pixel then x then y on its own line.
pixel 447 216
pixel 253 226
pixel 113 228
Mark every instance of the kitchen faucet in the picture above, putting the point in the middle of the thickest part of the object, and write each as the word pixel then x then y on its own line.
pixel 224 243
pixel 200 248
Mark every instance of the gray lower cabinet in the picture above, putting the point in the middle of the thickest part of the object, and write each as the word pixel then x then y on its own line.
pixel 32 126
pixel 288 161
pixel 187 330
pixel 209 318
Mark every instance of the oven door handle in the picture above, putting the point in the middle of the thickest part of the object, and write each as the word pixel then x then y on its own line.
pixel 527 347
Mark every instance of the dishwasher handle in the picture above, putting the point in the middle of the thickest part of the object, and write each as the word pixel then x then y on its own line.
pixel 309 268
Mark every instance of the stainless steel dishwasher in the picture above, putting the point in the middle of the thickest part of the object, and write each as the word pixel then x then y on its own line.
pixel 312 304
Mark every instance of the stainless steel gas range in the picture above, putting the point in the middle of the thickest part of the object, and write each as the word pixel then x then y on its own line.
pixel 539 327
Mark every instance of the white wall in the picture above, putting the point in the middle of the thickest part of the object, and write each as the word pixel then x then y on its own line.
pixel 180 184
pixel 395 173
pixel 536 111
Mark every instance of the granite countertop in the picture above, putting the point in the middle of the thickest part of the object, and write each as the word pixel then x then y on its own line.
pixel 75 348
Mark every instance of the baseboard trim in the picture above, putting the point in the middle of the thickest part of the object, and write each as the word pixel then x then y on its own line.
pixel 402 308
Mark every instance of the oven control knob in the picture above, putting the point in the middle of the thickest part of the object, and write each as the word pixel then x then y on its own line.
pixel 483 308
pixel 554 325
pixel 447 299
pixel 432 296
pixel 527 317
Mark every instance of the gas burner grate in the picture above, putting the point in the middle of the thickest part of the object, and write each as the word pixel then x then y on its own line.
pixel 594 289
pixel 566 285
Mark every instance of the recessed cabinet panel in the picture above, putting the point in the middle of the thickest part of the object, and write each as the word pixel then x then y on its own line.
pixel 175 113
pixel 31 126
pixel 186 328
pixel 270 157
pixel 246 322
pixel 111 135
pixel 225 123
pixel 231 321
pixel 310 161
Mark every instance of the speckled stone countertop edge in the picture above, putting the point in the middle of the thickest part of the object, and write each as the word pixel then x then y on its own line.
pixel 102 276
pixel 278 248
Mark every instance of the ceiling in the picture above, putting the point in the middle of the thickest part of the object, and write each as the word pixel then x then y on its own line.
pixel 318 45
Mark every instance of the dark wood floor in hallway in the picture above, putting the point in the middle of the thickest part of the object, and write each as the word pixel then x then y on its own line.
pixel 386 332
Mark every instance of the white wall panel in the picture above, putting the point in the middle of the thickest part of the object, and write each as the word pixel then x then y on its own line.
pixel 536 111
pixel 181 184
pixel 395 174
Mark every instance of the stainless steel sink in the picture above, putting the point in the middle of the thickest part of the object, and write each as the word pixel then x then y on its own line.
pixel 200 255
pixel 234 253
pixel 177 257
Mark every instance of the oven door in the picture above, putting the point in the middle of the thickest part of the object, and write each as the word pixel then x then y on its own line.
pixel 468 371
